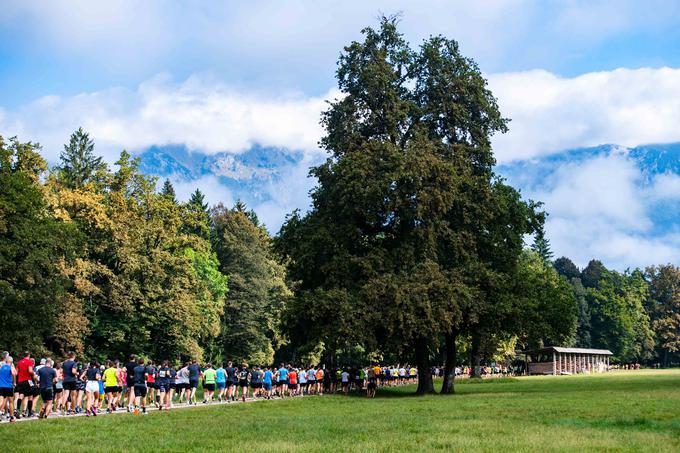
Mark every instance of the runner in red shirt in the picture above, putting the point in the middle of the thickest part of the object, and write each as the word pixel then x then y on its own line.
pixel 26 387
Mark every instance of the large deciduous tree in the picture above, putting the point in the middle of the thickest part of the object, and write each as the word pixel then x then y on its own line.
pixel 401 200
pixel 35 250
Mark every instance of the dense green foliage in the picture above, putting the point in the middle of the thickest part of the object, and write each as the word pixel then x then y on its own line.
pixel 101 263
pixel 633 313
pixel 631 411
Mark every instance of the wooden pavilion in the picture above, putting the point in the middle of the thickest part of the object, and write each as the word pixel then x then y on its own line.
pixel 557 360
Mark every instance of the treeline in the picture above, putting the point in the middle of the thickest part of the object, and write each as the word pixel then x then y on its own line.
pixel 100 262
pixel 635 314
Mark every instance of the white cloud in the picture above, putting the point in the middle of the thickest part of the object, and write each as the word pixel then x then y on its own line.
pixel 600 208
pixel 201 113
pixel 549 113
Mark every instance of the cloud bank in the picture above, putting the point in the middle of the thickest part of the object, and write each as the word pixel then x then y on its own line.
pixel 597 207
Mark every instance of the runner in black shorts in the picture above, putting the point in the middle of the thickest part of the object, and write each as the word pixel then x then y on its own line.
pixel 194 375
pixel 243 378
pixel 130 380
pixel 48 377
pixel 139 376
pixel 163 386
pixel 231 381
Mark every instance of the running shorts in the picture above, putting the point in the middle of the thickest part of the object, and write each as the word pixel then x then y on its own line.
pixel 26 389
pixel 221 385
pixel 92 387
pixel 70 385
pixel 140 390
pixel 256 385
pixel 47 394
pixel 243 383
pixel 113 389
pixel 193 384
pixel 7 392
pixel 210 387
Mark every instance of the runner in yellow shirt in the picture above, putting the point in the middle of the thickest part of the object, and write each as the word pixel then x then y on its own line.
pixel 111 387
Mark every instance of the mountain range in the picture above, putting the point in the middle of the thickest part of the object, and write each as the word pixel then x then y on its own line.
pixel 606 201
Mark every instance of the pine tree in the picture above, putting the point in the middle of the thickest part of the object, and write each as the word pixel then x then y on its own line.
pixel 79 166
pixel 168 190
pixel 541 245
pixel 197 221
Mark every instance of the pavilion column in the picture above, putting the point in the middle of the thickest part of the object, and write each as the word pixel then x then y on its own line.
pixel 554 364
pixel 572 363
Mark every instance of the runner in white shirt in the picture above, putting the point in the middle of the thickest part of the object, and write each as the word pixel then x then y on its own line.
pixel 344 378
pixel 311 380
pixel 302 378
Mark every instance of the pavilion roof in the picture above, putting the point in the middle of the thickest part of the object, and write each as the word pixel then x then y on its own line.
pixel 564 350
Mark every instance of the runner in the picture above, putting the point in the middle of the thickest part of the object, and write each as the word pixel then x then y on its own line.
pixel 182 380
pixel 173 385
pixel 267 383
pixel 47 376
pixel 209 376
pixel 344 377
pixel 139 379
pixel 80 387
pixel 256 382
pixel 302 377
pixel 370 388
pixel 110 386
pixel 163 386
pixel 282 381
pixel 319 381
pixel 8 376
pixel 231 382
pixel 220 382
pixel 58 388
pixel 93 376
pixel 243 378
pixel 151 383
pixel 194 376
pixel 311 380
pixel 292 381
pixel 130 380
pixel 69 370
pixel 26 387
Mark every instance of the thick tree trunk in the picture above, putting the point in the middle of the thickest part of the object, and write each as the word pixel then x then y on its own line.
pixel 425 384
pixel 450 366
pixel 475 353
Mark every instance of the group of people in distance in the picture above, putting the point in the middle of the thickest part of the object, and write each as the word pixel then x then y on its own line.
pixel 72 386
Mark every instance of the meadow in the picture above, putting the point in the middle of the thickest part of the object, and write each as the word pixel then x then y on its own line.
pixel 620 411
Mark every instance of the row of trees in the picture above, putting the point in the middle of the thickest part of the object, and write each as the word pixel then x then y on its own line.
pixel 102 263
pixel 635 314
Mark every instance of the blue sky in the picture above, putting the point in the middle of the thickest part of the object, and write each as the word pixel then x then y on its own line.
pixel 224 76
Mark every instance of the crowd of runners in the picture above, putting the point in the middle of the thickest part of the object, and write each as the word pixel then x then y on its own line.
pixel 74 386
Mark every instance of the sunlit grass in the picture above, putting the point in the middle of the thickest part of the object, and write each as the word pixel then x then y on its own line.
pixel 625 411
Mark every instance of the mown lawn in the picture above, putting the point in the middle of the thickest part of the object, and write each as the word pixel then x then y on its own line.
pixel 624 411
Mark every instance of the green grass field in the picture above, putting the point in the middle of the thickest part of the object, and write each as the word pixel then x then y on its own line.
pixel 625 411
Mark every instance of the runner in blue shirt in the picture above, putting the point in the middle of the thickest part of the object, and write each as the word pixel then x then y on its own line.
pixel 221 382
pixel 267 382
pixel 282 380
